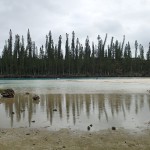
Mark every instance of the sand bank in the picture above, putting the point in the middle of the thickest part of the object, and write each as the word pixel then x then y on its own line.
pixel 64 139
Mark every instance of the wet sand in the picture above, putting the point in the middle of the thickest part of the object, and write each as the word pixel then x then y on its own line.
pixel 25 139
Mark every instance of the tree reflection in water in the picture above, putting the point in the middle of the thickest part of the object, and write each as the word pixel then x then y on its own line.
pixel 76 111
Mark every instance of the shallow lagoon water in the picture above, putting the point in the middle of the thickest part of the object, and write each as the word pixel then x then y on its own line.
pixel 93 85
pixel 119 102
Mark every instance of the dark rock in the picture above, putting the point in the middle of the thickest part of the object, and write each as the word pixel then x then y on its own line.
pixel 12 113
pixel 91 125
pixel 88 128
pixel 33 121
pixel 64 147
pixel 27 93
pixel 36 97
pixel 8 93
pixel 28 134
pixel 54 109
pixel 113 128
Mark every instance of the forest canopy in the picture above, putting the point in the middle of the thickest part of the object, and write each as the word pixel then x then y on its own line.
pixel 115 59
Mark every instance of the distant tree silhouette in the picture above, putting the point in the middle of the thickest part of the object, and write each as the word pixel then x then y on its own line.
pixel 102 59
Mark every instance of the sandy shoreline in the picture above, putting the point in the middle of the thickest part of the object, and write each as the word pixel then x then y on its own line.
pixel 26 139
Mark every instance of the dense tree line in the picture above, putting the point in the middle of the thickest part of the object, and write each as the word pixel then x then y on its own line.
pixel 114 59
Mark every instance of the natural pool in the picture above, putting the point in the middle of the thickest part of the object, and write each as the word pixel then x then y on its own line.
pixel 102 102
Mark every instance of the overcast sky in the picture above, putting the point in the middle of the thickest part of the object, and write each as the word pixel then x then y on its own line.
pixel 86 17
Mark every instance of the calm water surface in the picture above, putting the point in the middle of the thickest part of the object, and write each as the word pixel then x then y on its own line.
pixel 102 102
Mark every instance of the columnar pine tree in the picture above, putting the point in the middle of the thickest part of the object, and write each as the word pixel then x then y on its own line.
pixel 99 60
pixel 136 47
pixel 16 54
pixel 93 59
pixel 73 52
pixel 60 67
pixel 67 55
pixel 21 58
pixel 29 54
pixel 148 53
pixel 77 56
pixel 10 53
pixel 87 55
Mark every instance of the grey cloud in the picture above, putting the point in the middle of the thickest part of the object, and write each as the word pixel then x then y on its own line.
pixel 85 17
pixel 142 35
pixel 109 26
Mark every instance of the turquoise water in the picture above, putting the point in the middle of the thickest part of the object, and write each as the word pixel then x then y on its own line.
pixel 101 85
pixel 123 102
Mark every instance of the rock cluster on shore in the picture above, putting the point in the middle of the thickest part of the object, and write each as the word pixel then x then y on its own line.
pixel 8 93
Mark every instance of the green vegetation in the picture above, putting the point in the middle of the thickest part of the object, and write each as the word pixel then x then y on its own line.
pixel 116 59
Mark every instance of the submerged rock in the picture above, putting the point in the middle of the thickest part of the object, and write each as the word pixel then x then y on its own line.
pixel 55 109
pixel 27 93
pixel 36 97
pixel 91 125
pixel 113 128
pixel 8 93
pixel 88 128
